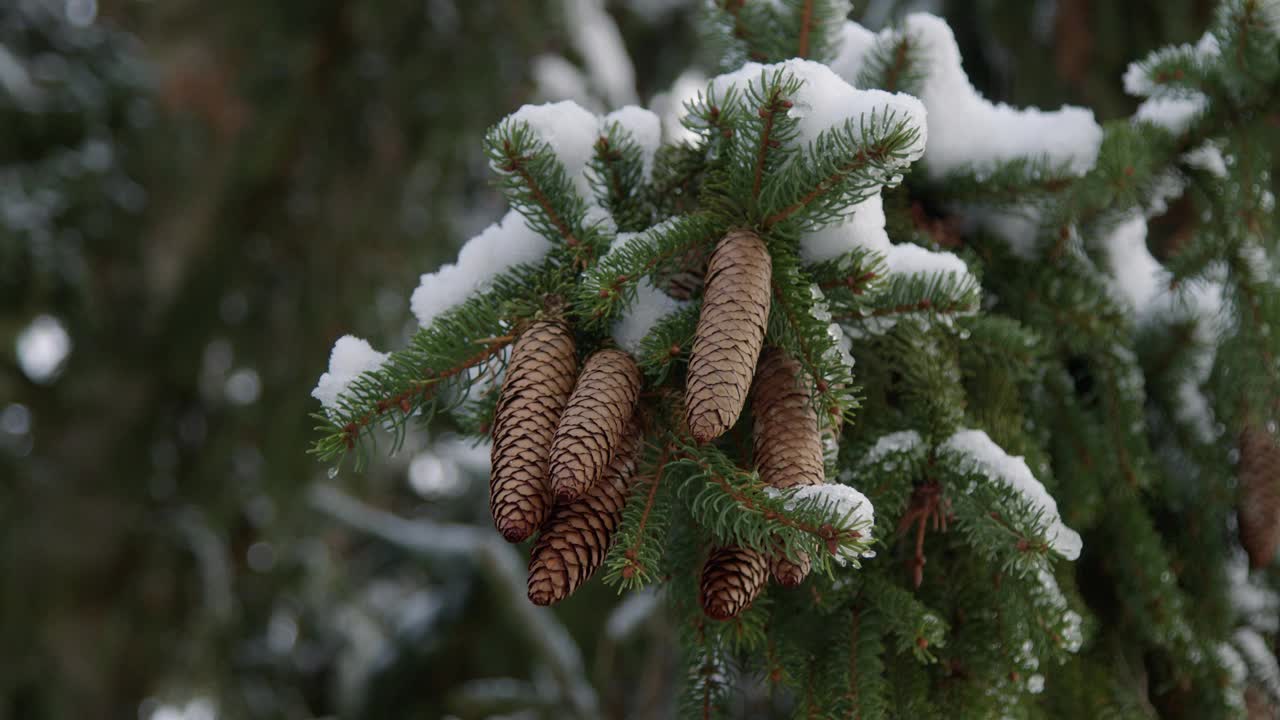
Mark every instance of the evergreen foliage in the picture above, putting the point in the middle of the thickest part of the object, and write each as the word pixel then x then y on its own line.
pixel 1052 364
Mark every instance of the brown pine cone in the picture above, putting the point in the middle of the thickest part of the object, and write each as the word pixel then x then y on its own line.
pixel 536 388
pixel 603 401
pixel 1258 508
pixel 731 579
pixel 788 447
pixel 735 309
pixel 788 573
pixel 577 536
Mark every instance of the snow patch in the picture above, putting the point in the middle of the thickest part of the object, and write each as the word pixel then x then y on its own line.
pixel 645 128
pixel 825 101
pixel 351 357
pixel 1137 277
pixel 903 441
pixel 649 307
pixel 569 130
pixel 983 455
pixel 965 129
pixel 845 502
pixel 497 249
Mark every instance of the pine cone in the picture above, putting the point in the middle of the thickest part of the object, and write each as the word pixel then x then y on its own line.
pixel 577 536
pixel 537 386
pixel 788 573
pixel 592 424
pixel 788 447
pixel 735 309
pixel 731 579
pixel 1259 502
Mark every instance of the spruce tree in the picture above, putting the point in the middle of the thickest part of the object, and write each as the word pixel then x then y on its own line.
pixel 1037 425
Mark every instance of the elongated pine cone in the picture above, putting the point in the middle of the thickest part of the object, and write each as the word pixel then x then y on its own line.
pixel 1259 502
pixel 787 444
pixel 593 422
pixel 735 309
pixel 731 579
pixel 539 379
pixel 577 536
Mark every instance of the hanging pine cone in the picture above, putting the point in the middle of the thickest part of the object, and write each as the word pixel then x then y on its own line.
pixel 1258 510
pixel 593 422
pixel 537 386
pixel 788 447
pixel 788 573
pixel 577 536
pixel 735 309
pixel 731 579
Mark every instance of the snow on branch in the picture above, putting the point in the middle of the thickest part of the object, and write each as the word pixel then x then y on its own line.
pixel 975 451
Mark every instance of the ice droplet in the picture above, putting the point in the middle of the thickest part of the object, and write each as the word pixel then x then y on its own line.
pixel 333 472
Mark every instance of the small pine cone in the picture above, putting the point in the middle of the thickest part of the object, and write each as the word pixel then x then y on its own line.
pixel 731 579
pixel 735 309
pixel 788 447
pixel 537 386
pixel 577 536
pixel 788 573
pixel 592 424
pixel 1259 502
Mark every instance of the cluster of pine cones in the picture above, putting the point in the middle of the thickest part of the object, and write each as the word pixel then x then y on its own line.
pixel 566 445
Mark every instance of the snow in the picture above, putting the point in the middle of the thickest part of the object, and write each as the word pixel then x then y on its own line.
pixel 670 105
pixel 645 127
pixel 965 129
pixel 1174 114
pixel 983 455
pixel 351 357
pixel 569 130
pixel 1261 661
pixel 911 259
pixel 845 503
pixel 1208 157
pixel 597 39
pixel 856 42
pixel 1137 277
pixel 1173 110
pixel 865 229
pixel 898 442
pixel 650 306
pixel 825 101
pixel 498 248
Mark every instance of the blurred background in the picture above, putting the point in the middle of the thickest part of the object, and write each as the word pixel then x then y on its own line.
pixel 196 199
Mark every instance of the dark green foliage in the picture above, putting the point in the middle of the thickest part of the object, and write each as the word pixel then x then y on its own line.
pixel 1037 359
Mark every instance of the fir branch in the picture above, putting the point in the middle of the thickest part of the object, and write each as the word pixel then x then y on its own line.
pixel 632 561
pixel 736 507
pixel 617 177
pixel 841 168
pixel 894 64
pixel 537 185
pixel 668 343
pixel 610 286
